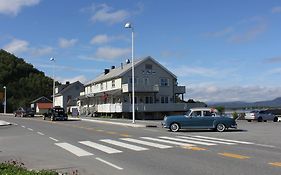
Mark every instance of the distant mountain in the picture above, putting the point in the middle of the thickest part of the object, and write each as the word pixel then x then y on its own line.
pixel 240 104
pixel 24 83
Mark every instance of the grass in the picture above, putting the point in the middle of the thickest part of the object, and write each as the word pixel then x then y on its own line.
pixel 14 167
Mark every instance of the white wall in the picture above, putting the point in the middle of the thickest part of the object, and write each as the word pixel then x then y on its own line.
pixel 59 101
pixel 107 86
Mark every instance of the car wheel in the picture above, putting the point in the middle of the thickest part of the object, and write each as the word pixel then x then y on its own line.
pixel 220 127
pixel 52 118
pixel 44 118
pixel 260 119
pixel 174 127
pixel 275 119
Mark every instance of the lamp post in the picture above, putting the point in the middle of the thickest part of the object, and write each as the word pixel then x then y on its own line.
pixel 53 59
pixel 129 25
pixel 5 101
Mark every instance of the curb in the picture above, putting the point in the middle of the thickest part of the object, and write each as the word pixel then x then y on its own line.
pixel 4 123
pixel 115 123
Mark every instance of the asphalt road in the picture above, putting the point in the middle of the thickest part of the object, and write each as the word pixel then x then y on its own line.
pixel 95 148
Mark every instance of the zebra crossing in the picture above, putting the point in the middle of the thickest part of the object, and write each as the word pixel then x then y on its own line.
pixel 119 145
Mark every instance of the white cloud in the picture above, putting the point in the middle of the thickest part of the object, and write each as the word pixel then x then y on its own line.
pixel 100 39
pixel 187 71
pixel 221 33
pixel 111 52
pixel 213 93
pixel 65 43
pixel 13 7
pixel 276 9
pixel 17 46
pixel 106 14
pixel 80 78
pixel 42 51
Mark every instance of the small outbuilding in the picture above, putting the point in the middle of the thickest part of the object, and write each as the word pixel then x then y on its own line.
pixel 41 105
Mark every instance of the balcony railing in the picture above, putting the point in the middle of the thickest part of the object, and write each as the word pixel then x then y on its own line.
pixel 155 107
pixel 179 89
pixel 140 88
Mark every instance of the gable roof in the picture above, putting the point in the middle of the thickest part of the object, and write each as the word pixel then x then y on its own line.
pixel 41 99
pixel 68 86
pixel 119 72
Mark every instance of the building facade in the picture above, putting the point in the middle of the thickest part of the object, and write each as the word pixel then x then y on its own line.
pixel 156 92
pixel 66 94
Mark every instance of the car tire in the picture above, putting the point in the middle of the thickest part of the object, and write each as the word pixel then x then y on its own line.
pixel 220 127
pixel 174 127
pixel 275 119
pixel 44 118
pixel 260 119
pixel 52 118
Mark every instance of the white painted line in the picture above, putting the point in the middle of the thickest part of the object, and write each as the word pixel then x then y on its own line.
pixel 146 143
pixel 22 126
pixel 188 141
pixel 110 164
pixel 74 149
pixel 167 141
pixel 40 133
pixel 263 145
pixel 205 140
pixel 53 139
pixel 114 123
pixel 15 124
pixel 30 129
pixel 227 140
pixel 124 145
pixel 100 147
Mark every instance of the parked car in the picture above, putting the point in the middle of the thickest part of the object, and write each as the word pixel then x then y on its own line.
pixel 21 112
pixel 55 113
pixel 199 118
pixel 260 116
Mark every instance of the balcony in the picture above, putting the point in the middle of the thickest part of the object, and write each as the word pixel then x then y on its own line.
pixel 155 107
pixel 140 88
pixel 179 89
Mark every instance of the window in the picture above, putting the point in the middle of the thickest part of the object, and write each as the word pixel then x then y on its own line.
pixel 148 100
pixel 148 66
pixel 196 114
pixel 130 80
pixel 146 81
pixel 113 84
pixel 207 113
pixel 164 99
pixel 164 82
pixel 101 86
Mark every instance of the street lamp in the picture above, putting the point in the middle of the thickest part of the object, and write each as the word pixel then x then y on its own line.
pixel 129 25
pixel 53 59
pixel 5 101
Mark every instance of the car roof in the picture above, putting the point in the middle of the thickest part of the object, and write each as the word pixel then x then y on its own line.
pixel 203 109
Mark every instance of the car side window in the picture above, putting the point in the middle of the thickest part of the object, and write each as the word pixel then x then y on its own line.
pixel 207 113
pixel 196 114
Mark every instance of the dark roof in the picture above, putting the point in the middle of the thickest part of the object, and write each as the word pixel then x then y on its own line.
pixel 41 99
pixel 65 87
pixel 120 71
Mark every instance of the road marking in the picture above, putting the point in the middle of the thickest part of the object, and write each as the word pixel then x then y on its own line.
pixel 211 141
pixel 236 156
pixel 23 126
pixel 74 149
pixel 194 148
pixel 111 132
pixel 108 163
pixel 227 140
pixel 40 133
pixel 99 130
pixel 146 143
pixel 100 147
pixel 275 164
pixel 188 141
pixel 124 145
pixel 15 124
pixel 53 139
pixel 125 135
pixel 30 129
pixel 167 141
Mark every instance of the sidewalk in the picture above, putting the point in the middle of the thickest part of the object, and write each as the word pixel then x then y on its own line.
pixel 123 122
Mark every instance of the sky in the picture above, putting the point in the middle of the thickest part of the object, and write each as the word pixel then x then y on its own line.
pixel 220 50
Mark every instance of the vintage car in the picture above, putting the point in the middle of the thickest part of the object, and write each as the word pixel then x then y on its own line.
pixel 199 118
pixel 21 112
pixel 55 113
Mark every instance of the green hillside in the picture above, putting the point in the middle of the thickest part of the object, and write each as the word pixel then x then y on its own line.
pixel 24 83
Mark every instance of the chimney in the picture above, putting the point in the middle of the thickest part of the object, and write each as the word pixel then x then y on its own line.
pixel 67 83
pixel 128 61
pixel 106 71
pixel 112 67
pixel 121 65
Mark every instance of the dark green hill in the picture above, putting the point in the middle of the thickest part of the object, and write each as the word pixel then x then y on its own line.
pixel 24 83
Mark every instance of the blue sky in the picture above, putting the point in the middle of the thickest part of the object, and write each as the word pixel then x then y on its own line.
pixel 220 50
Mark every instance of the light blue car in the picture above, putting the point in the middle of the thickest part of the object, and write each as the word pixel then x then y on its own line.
pixel 199 118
